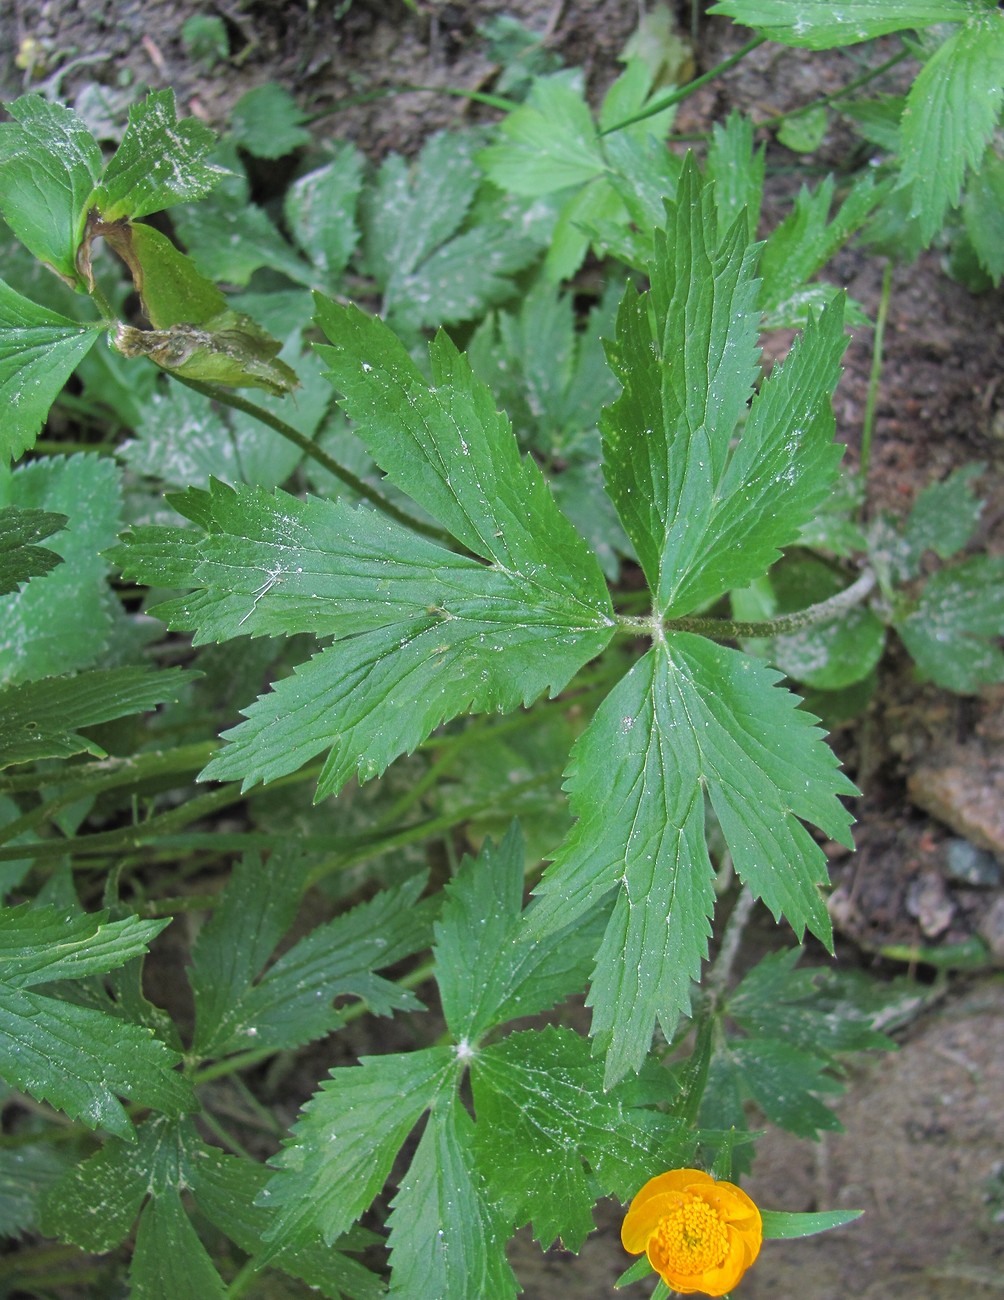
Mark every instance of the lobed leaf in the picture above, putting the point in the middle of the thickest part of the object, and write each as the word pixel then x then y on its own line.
pixel 950 633
pixel 40 944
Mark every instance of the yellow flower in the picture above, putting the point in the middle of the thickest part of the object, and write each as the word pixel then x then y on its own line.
pixel 699 1235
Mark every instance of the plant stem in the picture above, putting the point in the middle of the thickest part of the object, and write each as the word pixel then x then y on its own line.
pixel 727 629
pixel 683 92
pixel 311 449
pixel 871 401
pixel 842 93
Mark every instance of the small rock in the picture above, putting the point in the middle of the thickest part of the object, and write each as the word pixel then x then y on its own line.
pixel 990 928
pixel 969 865
pixel 928 901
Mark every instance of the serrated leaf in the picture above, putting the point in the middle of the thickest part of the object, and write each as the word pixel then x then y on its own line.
pixel 802 244
pixel 268 122
pixel 225 1188
pixel 344 1145
pixel 949 633
pixel 20 558
pixel 39 350
pixel 42 719
pixel 683 495
pixel 430 270
pixel 950 115
pixel 49 164
pixel 488 969
pixel 983 213
pixel 320 211
pixel 64 623
pixel 782 1079
pixel 690 715
pixel 42 944
pixel 229 238
pixel 446 1239
pixel 292 1002
pixel 736 171
pixel 169 1259
pixel 816 25
pixel 78 1060
pixel 551 141
pixel 160 161
pixel 95 1204
pixel 550 1135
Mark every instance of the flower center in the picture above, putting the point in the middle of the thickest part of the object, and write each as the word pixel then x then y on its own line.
pixel 692 1238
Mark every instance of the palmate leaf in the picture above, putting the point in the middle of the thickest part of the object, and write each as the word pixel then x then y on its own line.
pixel 427 633
pixel 691 716
pixel 686 355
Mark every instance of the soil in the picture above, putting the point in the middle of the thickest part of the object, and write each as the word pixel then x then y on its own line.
pixel 923 1146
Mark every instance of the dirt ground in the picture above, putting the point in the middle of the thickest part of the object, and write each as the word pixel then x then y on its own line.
pixel 923 1147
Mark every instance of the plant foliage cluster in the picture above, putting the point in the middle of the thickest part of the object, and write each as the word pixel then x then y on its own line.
pixel 473 541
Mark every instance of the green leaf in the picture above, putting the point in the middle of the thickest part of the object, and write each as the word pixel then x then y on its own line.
pixel 225 1188
pixel 26 1174
pixel 229 238
pixel 291 1003
pixel 49 164
pixel 804 242
pixel 42 944
pixel 684 496
pixel 949 632
pixel 983 213
pixel 550 142
pixel 64 623
pixel 805 132
pixel 427 633
pixel 950 116
pixel 169 1259
pixel 816 25
pixel 944 517
pixel 782 1079
pixel 488 969
pixel 172 290
pixel 551 1137
pixel 736 171
pixel 160 161
pixel 43 719
pixel 784 1225
pixel 446 1239
pixel 78 1059
pixel 95 1204
pixel 39 350
pixel 432 271
pixel 320 211
pixel 20 558
pixel 343 1147
pixel 268 122
pixel 690 715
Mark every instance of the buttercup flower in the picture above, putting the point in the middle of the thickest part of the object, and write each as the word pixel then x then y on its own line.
pixel 699 1235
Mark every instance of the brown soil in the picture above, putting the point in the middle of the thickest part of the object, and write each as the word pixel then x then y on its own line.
pixel 923 1150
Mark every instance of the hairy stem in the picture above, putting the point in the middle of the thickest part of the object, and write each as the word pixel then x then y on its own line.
pixel 871 401
pixel 728 629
